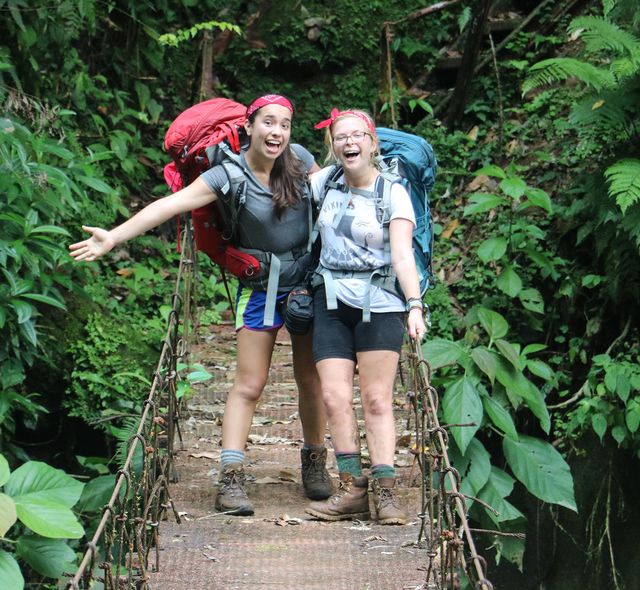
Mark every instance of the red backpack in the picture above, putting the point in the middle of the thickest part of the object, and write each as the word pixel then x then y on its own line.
pixel 203 136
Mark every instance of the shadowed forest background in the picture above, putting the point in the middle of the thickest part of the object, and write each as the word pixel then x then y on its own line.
pixel 532 109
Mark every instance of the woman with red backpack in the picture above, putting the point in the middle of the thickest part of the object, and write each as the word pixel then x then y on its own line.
pixel 360 314
pixel 276 208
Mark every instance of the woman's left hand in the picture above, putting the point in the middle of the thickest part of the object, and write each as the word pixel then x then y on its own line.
pixel 415 324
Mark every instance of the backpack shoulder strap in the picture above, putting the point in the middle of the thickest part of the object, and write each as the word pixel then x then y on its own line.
pixel 234 191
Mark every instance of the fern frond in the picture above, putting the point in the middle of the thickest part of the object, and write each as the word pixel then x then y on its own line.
pixel 556 69
pixel 625 67
pixel 608 111
pixel 601 34
pixel 624 182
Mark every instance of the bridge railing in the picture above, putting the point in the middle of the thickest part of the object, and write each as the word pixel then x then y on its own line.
pixel 125 542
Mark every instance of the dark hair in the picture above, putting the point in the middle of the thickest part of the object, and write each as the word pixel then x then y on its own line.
pixel 287 176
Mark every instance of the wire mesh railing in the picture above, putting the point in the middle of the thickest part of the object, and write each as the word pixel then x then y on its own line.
pixel 120 552
pixel 444 532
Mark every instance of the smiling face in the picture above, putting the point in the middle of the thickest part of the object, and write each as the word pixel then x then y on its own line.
pixel 269 131
pixel 353 144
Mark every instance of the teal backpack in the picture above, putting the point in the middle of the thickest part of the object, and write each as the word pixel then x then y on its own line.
pixel 410 160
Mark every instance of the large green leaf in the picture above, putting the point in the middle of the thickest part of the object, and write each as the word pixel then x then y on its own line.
pixel 518 385
pixel 500 417
pixel 486 361
pixel 48 518
pixel 8 514
pixel 482 202
pixel 492 249
pixel 35 480
pixel 508 351
pixel 494 494
pixel 509 281
pixel 462 405
pixel 541 469
pixel 514 187
pixel 10 574
pixel 96 493
pixel 479 468
pixel 49 557
pixel 4 467
pixel 439 352
pixel 494 324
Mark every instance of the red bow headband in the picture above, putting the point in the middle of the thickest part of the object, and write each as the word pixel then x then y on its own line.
pixel 267 99
pixel 335 114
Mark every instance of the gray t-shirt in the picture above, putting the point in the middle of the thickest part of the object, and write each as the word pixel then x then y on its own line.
pixel 258 224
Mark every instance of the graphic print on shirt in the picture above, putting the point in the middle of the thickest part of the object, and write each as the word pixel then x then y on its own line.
pixel 358 241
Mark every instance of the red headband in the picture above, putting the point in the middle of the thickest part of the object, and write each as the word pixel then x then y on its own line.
pixel 267 99
pixel 335 113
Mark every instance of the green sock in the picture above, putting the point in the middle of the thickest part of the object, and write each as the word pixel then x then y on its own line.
pixel 381 471
pixel 349 463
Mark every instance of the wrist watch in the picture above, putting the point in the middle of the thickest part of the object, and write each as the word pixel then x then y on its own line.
pixel 414 302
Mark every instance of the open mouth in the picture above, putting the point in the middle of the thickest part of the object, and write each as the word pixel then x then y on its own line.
pixel 273 144
pixel 351 154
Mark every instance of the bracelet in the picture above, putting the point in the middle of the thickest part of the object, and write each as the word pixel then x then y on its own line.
pixel 414 302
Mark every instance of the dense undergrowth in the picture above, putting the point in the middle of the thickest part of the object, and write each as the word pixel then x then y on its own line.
pixel 537 206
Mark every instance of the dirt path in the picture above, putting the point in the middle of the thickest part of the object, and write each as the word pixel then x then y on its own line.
pixel 279 546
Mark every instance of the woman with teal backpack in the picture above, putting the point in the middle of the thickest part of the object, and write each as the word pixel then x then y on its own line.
pixel 360 316
pixel 275 173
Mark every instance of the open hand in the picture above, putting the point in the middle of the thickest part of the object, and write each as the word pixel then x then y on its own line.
pixel 92 248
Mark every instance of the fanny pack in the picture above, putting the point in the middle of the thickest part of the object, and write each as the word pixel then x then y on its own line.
pixel 298 317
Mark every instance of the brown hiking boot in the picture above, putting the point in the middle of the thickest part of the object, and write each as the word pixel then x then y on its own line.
pixel 315 477
pixel 231 497
pixel 349 502
pixel 385 502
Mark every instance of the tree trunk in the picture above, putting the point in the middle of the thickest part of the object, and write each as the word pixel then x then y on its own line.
pixel 469 58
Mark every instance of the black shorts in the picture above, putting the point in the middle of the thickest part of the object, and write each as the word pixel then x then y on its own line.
pixel 341 333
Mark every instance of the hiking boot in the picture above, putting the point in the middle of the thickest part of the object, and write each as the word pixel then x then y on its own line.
pixel 231 497
pixel 315 477
pixel 386 503
pixel 349 502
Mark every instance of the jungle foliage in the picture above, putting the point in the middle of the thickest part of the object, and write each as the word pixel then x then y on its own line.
pixel 535 338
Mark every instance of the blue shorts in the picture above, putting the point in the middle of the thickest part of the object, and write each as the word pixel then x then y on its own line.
pixel 250 309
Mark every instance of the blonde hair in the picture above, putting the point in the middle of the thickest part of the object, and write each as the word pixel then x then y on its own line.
pixel 330 157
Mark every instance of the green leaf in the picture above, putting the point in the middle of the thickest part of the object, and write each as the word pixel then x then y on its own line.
pixel 491 170
pixel 23 309
pixel 48 518
pixel 486 361
pixel 462 405
pixel 540 369
pixel 599 424
pixel 619 433
pixel 10 572
pixel 45 299
pixel 538 198
pixel 96 184
pixel 624 182
pixel 96 493
pixel 509 352
pixel 49 557
pixel 35 480
pixel 632 417
pixel 533 348
pixel 483 202
pixel 493 323
pixel 541 469
pixel 4 469
pixel 50 229
pixel 494 494
pixel 509 281
pixel 531 299
pixel 518 385
pixel 492 249
pixel 500 417
pixel 439 352
pixel 514 187
pixel 479 468
pixel 8 515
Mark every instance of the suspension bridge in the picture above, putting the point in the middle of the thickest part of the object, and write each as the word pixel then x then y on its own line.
pixel 159 529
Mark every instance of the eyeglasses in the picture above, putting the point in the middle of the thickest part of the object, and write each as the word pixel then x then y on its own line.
pixel 356 137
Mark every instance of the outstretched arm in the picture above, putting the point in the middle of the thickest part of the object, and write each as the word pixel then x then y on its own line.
pixel 404 265
pixel 197 194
